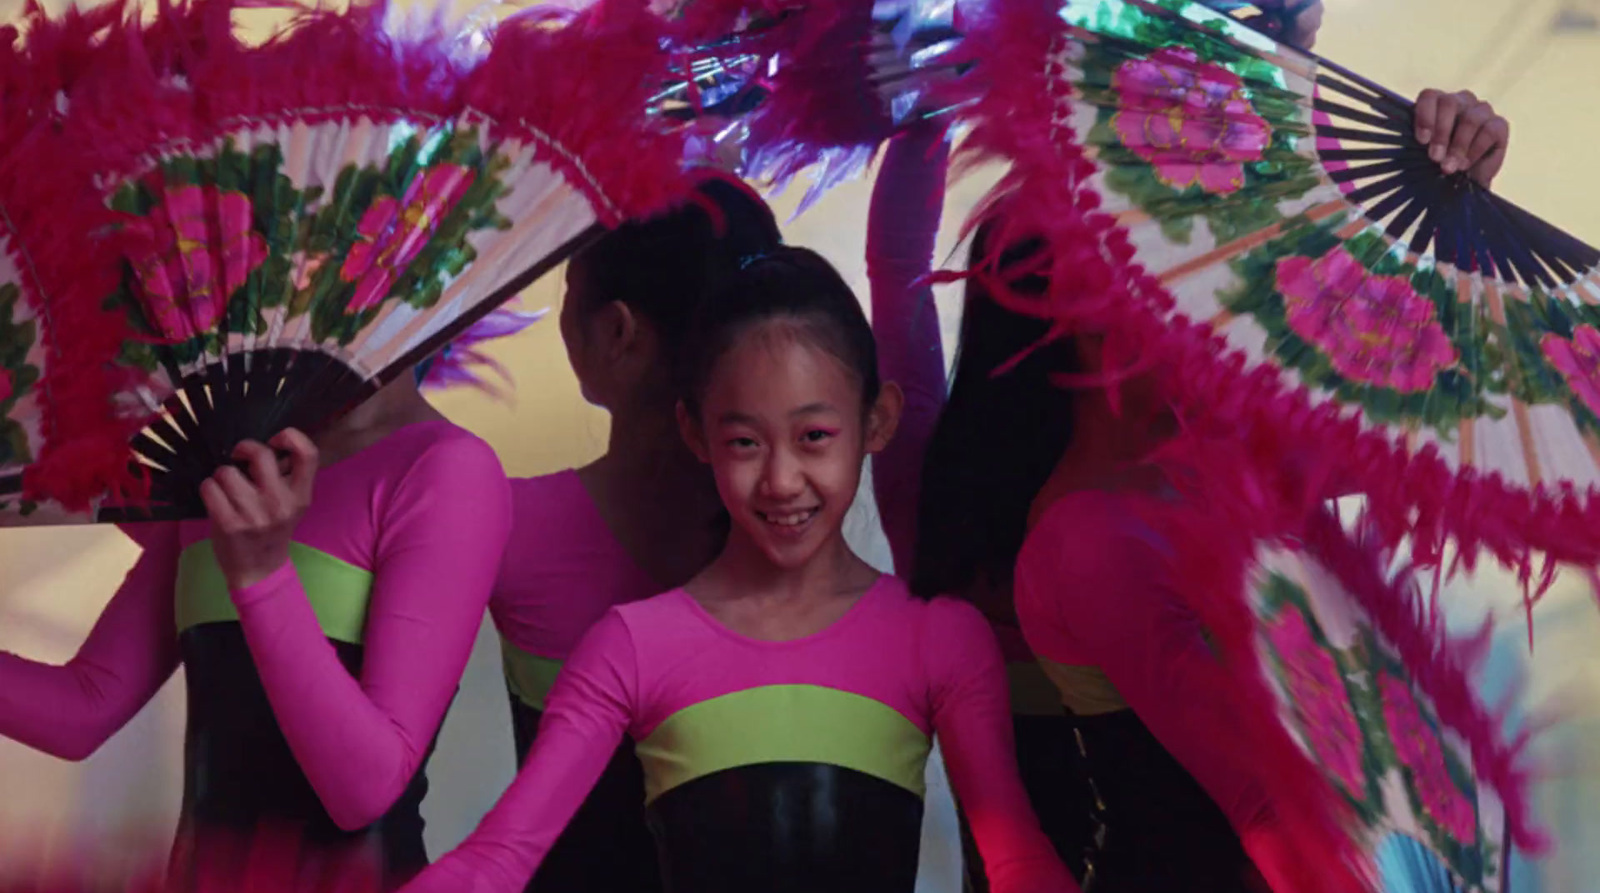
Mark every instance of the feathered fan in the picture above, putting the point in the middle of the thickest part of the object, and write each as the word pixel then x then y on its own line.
pixel 1262 225
pixel 298 223
pixel 1371 694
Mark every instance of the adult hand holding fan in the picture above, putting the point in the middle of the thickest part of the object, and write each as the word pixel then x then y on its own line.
pixel 300 223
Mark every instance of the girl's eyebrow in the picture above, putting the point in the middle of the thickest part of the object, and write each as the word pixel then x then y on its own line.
pixel 812 409
pixel 735 417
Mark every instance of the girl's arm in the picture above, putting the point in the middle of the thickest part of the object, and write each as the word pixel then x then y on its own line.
pixel 901 229
pixel 68 711
pixel 589 709
pixel 1091 590
pixel 360 741
pixel 972 718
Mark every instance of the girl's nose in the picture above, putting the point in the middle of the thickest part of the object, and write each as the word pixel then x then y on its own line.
pixel 782 478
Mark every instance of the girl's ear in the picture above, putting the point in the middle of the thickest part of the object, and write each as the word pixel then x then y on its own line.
pixel 618 326
pixel 883 418
pixel 693 437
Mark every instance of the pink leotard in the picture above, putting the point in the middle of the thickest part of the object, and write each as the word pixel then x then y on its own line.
pixel 846 713
pixel 1091 590
pixel 352 651
pixel 563 571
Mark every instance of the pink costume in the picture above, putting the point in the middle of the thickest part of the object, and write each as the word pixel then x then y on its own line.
pixel 314 695
pixel 1092 591
pixel 563 571
pixel 820 787
pixel 902 227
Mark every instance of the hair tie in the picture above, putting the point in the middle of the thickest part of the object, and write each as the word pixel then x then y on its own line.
pixel 748 260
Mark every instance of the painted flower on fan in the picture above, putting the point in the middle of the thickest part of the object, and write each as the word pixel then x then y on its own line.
pixel 1374 329
pixel 5 384
pixel 393 232
pixel 1188 119
pixel 194 249
pixel 1578 361
pixel 1318 692
pixel 1418 748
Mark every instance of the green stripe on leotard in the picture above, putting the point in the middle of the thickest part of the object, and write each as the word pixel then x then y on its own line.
pixel 529 676
pixel 784 723
pixel 338 591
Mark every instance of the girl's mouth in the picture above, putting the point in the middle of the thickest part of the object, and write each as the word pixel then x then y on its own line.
pixel 789 523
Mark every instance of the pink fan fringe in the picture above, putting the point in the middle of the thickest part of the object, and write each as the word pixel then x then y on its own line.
pixel 47 210
pixel 1267 451
pixel 575 89
pixel 572 88
pixel 1440 666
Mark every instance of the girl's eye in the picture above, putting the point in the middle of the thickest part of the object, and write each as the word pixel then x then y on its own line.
pixel 742 443
pixel 816 435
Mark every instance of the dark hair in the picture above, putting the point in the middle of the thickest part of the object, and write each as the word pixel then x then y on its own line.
pixel 787 283
pixel 663 267
pixel 999 436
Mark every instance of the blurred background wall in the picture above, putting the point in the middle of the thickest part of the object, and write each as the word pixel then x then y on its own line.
pixel 1537 60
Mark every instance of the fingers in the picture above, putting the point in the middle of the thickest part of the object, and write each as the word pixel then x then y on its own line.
pixel 218 507
pixel 245 508
pixel 1447 108
pixel 1469 124
pixel 1426 115
pixel 1306 25
pixel 1462 133
pixel 302 461
pixel 273 494
pixel 1488 151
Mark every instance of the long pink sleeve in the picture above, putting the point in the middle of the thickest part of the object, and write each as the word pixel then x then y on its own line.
pixel 972 718
pixel 68 711
pixel 901 229
pixel 441 534
pixel 588 712
pixel 1091 590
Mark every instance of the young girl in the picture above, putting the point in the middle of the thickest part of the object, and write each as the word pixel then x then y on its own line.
pixel 639 520
pixel 784 700
pixel 321 640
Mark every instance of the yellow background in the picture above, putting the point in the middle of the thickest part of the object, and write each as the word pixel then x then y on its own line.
pixel 53 582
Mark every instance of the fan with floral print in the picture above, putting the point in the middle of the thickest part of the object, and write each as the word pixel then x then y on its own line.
pixel 1380 699
pixel 1284 203
pixel 278 230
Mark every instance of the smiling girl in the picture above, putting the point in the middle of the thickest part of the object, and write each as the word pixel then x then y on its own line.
pixel 785 699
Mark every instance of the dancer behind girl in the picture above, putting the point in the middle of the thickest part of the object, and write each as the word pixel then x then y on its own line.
pixel 641 519
pixel 321 639
pixel 901 229
pixel 784 700
pixel 972 556
pixel 1173 804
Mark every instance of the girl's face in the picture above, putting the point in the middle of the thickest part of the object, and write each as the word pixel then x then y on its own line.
pixel 782 425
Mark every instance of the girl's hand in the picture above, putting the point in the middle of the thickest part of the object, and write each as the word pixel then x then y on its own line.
pixel 253 519
pixel 1303 30
pixel 1462 133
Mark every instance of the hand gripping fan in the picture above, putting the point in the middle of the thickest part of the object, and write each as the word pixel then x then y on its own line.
pixel 298 223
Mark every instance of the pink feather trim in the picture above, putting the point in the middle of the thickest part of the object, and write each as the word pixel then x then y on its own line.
pixel 45 211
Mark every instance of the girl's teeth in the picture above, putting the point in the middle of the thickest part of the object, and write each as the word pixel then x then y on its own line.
pixel 789 520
